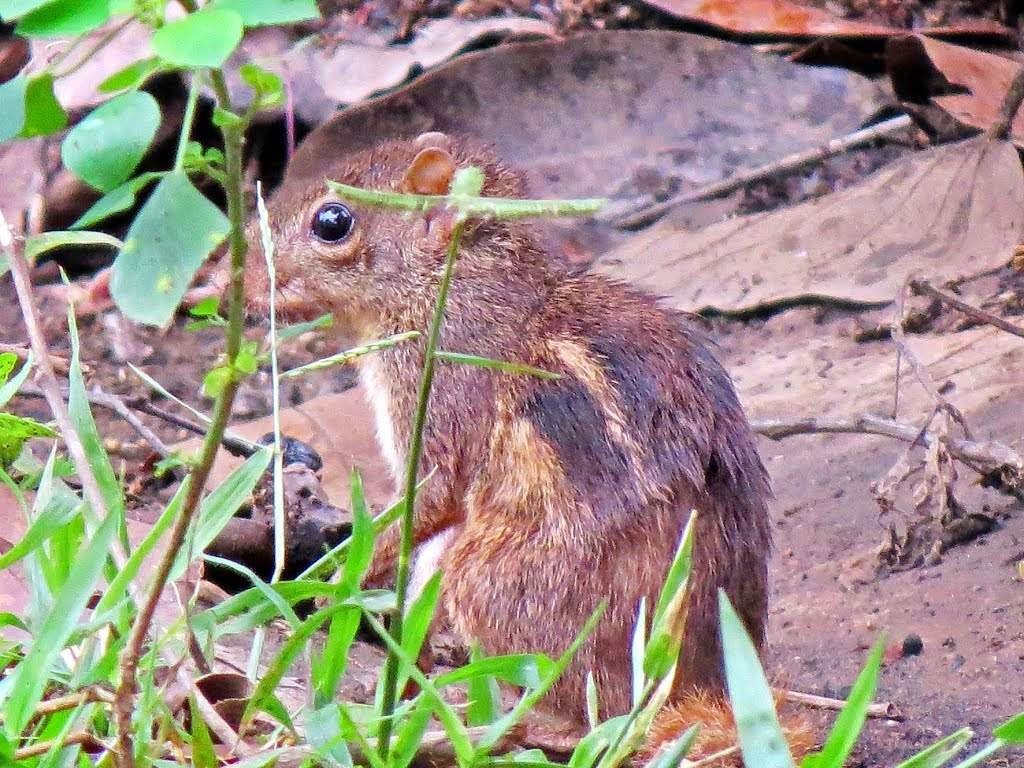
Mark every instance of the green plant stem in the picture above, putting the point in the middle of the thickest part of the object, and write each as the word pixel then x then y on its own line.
pixel 102 43
pixel 125 696
pixel 186 121
pixel 392 663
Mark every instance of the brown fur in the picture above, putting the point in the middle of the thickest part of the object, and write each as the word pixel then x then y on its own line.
pixel 563 492
pixel 718 729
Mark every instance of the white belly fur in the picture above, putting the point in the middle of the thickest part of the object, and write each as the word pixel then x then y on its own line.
pixel 427 561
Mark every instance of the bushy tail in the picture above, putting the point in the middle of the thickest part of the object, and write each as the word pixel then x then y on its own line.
pixel 717 730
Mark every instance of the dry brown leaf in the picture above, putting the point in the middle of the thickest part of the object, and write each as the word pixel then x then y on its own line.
pixel 946 212
pixel 673 111
pixel 986 76
pixel 782 18
pixel 352 72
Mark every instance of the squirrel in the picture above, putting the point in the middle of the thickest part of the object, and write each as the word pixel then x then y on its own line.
pixel 548 495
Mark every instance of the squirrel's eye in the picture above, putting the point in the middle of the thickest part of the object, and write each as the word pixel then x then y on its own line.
pixel 332 223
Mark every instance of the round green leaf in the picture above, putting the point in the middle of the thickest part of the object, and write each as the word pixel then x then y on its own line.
pixel 43 113
pixel 12 107
pixel 259 12
pixel 132 76
pixel 108 144
pixel 202 39
pixel 175 231
pixel 65 18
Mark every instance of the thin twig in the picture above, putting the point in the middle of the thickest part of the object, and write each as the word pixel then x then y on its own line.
pixel 989 455
pixel 124 704
pixel 879 709
pixel 1002 125
pixel 713 758
pixel 923 287
pixel 114 403
pixel 93 694
pixel 236 446
pixel 83 738
pixel 60 364
pixel 904 351
pixel 782 166
pixel 220 727
pixel 47 379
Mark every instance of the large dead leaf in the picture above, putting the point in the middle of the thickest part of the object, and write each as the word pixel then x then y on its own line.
pixel 783 18
pixel 325 73
pixel 602 113
pixel 951 211
pixel 912 59
pixel 340 427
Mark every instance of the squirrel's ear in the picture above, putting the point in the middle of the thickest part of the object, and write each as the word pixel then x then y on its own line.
pixel 430 172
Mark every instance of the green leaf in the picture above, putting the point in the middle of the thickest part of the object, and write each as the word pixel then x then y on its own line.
pixel 203 754
pixel 222 118
pixel 268 88
pixel 501 726
pixel 109 143
pixel 54 516
pixel 85 426
pixel 409 734
pixel 526 670
pixel 30 676
pixel 12 107
pixel 941 752
pixel 221 505
pixel 289 332
pixel 1012 731
pixel 264 12
pixel 43 113
pixel 761 739
pixel 328 669
pixel 173 234
pixel 117 200
pixel 672 755
pixel 503 366
pixel 323 730
pixel 663 646
pixel 119 585
pixel 847 727
pixel 484 695
pixel 417 622
pixel 12 9
pixel 206 308
pixel 457 733
pixel 7 362
pixel 205 38
pixel 360 552
pixel 39 244
pixel 14 431
pixel 132 76
pixel 64 18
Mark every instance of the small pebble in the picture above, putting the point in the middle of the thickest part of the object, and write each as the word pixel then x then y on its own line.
pixel 912 645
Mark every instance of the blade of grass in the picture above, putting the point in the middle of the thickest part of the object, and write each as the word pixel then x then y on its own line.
pixel 847 727
pixel 502 366
pixel 31 675
pixel 753 706
pixel 350 354
pixel 941 752
pixel 456 731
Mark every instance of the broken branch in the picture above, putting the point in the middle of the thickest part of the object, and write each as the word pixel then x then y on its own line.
pixel 924 288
